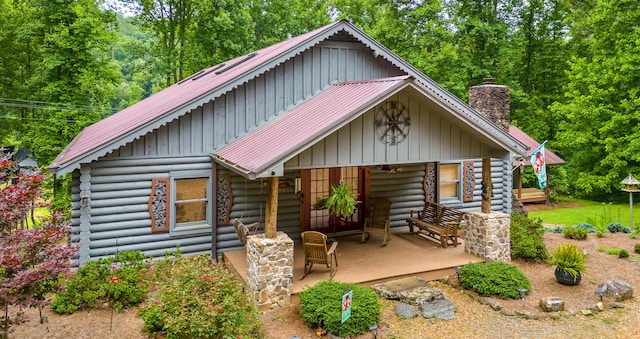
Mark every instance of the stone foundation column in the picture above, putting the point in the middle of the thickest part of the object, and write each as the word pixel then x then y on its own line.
pixel 487 235
pixel 270 270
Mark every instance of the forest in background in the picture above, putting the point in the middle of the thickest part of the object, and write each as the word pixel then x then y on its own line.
pixel 573 66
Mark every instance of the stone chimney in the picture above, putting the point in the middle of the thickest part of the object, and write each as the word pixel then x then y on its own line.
pixel 492 101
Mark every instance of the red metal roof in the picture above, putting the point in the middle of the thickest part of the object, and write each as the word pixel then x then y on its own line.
pixel 305 124
pixel 176 97
pixel 157 110
pixel 550 157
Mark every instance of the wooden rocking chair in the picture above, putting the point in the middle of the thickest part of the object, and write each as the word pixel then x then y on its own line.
pixel 316 252
pixel 244 230
pixel 379 220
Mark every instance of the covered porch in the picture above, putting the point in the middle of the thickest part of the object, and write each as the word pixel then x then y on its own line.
pixel 369 263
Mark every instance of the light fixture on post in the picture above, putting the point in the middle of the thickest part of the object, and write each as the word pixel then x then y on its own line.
pixel 84 201
pixel 457 268
pixel 630 185
pixel 600 291
pixel 523 293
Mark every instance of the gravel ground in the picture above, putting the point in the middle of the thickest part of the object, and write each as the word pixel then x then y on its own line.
pixel 472 318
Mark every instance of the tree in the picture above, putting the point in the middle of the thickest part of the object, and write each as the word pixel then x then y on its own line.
pixel 31 259
pixel 601 110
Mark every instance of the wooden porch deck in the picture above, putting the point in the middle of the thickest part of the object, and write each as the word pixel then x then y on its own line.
pixel 369 263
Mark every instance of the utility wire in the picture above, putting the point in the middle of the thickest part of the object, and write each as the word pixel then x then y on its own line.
pixel 7 102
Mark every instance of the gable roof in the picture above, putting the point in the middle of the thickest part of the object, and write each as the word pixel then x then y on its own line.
pixel 550 157
pixel 256 153
pixel 160 108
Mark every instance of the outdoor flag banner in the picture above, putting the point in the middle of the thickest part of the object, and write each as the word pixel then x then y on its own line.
pixel 539 165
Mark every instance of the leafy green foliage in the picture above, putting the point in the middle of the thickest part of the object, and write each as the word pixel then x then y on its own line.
pixel 199 299
pixel 320 306
pixel 636 248
pixel 600 109
pixel 615 227
pixel 115 280
pixel 495 278
pixel 623 254
pixel 526 238
pixel 572 232
pixel 613 251
pixel 341 202
pixel 568 258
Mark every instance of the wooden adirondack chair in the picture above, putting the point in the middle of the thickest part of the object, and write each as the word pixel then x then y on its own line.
pixel 316 252
pixel 378 222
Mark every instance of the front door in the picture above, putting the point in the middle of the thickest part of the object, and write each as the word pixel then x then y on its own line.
pixel 316 185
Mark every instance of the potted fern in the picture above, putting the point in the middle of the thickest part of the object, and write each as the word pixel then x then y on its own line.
pixel 341 202
pixel 569 262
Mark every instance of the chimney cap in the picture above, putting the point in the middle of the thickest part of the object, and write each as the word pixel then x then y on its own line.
pixel 489 81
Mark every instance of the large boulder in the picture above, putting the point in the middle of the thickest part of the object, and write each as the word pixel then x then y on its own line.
pixel 618 290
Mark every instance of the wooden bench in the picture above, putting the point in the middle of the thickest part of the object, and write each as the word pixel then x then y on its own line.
pixel 438 222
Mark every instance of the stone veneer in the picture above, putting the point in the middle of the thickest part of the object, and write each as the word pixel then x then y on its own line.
pixel 487 235
pixel 270 270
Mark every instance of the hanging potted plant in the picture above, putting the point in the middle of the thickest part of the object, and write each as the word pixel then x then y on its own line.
pixel 341 202
pixel 569 262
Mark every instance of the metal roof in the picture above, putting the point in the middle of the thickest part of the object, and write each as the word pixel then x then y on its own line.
pixel 157 110
pixel 256 153
pixel 550 157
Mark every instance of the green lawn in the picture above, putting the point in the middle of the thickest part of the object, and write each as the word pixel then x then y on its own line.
pixel 590 212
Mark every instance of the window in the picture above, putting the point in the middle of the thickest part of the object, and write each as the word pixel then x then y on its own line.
pixel 190 202
pixel 450 181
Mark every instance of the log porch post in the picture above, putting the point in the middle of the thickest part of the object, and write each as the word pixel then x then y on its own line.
pixel 271 218
pixel 486 178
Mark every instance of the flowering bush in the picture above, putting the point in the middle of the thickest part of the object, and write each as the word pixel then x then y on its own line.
pixel 119 283
pixel 200 299
pixel 31 259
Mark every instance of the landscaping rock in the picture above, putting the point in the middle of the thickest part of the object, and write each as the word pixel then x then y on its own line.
pixel 552 304
pixel 412 290
pixel 439 309
pixel 586 312
pixel 618 290
pixel 405 311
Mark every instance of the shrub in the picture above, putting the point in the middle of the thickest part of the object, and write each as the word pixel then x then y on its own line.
pixel 623 254
pixel 526 238
pixel 636 248
pixel 115 280
pixel 575 233
pixel 199 299
pixel 320 306
pixel 557 229
pixel 615 227
pixel 494 278
pixel 613 251
pixel 590 228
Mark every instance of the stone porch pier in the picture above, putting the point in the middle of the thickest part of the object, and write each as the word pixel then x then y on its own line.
pixel 487 235
pixel 270 270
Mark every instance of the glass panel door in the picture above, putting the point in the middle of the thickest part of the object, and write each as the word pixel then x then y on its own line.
pixel 316 188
